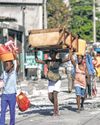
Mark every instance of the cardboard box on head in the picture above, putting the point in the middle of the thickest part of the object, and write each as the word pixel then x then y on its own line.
pixel 81 46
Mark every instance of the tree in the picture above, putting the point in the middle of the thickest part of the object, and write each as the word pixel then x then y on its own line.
pixel 57 13
pixel 98 30
pixel 98 22
pixel 82 19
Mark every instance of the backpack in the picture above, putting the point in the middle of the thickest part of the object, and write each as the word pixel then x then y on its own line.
pixel 23 102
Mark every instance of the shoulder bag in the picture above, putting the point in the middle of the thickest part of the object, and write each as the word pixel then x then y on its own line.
pixel 53 76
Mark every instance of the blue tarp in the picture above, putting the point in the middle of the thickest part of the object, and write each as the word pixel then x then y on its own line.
pixel 89 64
pixel 97 50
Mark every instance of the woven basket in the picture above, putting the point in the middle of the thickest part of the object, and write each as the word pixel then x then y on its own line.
pixel 7 57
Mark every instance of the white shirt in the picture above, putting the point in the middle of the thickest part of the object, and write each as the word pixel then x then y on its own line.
pixel 9 79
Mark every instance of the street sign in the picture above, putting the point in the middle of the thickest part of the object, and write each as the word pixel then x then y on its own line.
pixel 30 60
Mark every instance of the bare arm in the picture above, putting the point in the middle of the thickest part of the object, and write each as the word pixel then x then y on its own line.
pixel 39 61
pixel 17 61
pixel 17 65
pixel 66 59
pixel 71 57
pixel 87 74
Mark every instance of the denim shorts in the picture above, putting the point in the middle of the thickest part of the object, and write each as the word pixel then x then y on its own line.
pixel 80 91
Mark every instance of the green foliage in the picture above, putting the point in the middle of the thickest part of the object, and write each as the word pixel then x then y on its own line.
pixel 78 18
pixel 57 13
pixel 82 19
pixel 98 22
pixel 98 30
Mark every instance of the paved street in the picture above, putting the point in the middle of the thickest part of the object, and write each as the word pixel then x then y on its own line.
pixel 41 109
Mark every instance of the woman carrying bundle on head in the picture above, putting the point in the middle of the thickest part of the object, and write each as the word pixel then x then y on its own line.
pixel 80 79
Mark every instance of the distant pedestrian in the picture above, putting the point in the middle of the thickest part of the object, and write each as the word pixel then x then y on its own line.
pixel 70 71
pixel 53 85
pixel 8 97
pixel 91 72
pixel 80 80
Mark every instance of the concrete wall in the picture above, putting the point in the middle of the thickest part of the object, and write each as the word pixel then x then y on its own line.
pixel 22 1
pixel 33 15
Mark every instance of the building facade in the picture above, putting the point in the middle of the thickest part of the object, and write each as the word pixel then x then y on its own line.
pixel 17 17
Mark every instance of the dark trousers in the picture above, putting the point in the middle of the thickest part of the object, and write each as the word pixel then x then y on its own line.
pixel 90 83
pixel 89 90
pixel 8 100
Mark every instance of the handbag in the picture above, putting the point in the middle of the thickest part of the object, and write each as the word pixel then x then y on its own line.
pixel 23 102
pixel 53 76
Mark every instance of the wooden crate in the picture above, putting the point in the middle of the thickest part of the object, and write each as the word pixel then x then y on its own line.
pixel 75 44
pixel 46 38
pixel 68 40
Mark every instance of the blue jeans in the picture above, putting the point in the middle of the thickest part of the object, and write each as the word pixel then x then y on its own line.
pixel 8 100
pixel 80 91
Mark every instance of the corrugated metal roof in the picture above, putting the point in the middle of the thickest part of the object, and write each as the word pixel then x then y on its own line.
pixel 22 1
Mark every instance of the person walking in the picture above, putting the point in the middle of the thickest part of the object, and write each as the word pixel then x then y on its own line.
pixel 8 97
pixel 91 72
pixel 80 80
pixel 70 71
pixel 53 85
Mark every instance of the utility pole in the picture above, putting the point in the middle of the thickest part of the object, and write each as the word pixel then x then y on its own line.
pixel 44 14
pixel 94 22
pixel 23 40
pixel 45 27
